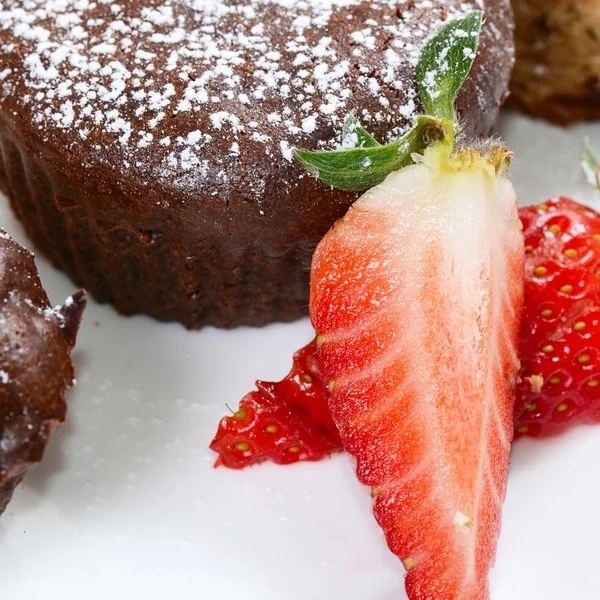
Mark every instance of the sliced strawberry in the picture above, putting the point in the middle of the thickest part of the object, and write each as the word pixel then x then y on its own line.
pixel 285 422
pixel 416 297
pixel 560 339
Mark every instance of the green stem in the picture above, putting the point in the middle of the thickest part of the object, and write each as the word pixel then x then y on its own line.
pixel 359 169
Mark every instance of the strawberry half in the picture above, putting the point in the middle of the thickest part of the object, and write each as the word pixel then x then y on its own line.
pixel 416 297
pixel 560 340
pixel 284 422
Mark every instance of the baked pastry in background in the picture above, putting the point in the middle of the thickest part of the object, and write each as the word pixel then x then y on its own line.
pixel 557 72
pixel 35 365
pixel 147 146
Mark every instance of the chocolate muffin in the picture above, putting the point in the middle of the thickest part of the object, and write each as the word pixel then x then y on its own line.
pixel 557 73
pixel 147 146
pixel 35 365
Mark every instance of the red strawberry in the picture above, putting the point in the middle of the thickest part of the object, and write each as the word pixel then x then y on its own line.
pixel 560 339
pixel 284 422
pixel 416 298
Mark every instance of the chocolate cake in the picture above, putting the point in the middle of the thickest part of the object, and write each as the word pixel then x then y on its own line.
pixel 147 146
pixel 35 365
pixel 557 73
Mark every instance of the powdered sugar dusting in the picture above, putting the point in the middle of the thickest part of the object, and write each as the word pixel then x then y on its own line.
pixel 160 82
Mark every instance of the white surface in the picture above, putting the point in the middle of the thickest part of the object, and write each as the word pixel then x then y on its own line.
pixel 127 504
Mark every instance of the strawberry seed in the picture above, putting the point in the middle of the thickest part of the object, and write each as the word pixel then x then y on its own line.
pixel 536 382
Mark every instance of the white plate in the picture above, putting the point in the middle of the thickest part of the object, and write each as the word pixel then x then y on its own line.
pixel 127 504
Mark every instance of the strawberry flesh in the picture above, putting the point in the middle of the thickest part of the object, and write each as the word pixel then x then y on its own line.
pixel 416 298
pixel 560 338
pixel 285 422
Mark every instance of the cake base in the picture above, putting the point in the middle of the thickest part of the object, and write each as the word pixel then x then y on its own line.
pixel 146 271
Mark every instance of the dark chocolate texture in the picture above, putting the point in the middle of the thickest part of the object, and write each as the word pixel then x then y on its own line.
pixel 35 365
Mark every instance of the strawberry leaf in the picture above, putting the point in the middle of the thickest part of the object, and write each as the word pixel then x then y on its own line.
pixel 366 165
pixel 354 136
pixel 590 165
pixel 445 62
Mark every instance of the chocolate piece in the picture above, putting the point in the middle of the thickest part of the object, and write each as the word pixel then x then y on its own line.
pixel 147 146
pixel 35 366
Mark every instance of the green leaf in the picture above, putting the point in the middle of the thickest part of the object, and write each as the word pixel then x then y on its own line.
pixel 590 165
pixel 445 62
pixel 361 168
pixel 354 136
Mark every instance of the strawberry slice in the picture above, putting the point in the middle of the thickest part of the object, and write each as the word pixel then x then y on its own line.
pixel 284 422
pixel 416 297
pixel 560 340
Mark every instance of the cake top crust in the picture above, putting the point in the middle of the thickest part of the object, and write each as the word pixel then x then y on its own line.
pixel 193 94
